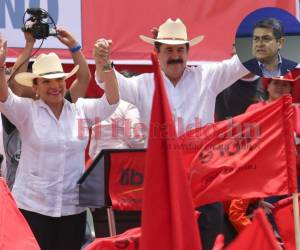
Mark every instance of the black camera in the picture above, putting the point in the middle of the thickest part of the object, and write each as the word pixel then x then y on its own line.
pixel 42 23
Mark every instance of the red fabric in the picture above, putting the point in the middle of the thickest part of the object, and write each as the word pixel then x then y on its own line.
pixel 168 219
pixel 297 120
pixel 258 235
pixel 15 234
pixel 255 106
pixel 252 155
pixel 127 241
pixel 283 215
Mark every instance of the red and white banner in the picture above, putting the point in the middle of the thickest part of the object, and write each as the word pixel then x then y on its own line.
pixel 124 21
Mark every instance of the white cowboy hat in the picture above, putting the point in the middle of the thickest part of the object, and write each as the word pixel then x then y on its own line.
pixel 45 66
pixel 173 33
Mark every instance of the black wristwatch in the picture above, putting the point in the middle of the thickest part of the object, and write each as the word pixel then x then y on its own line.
pixel 108 67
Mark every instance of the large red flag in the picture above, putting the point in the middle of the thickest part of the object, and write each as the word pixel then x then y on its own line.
pixel 251 155
pixel 15 234
pixel 284 218
pixel 258 235
pixel 168 218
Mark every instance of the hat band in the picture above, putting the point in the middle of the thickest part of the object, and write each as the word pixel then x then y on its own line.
pixel 50 73
pixel 171 38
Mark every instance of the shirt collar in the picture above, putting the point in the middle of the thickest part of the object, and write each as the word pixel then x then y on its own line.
pixel 274 73
pixel 42 104
pixel 261 65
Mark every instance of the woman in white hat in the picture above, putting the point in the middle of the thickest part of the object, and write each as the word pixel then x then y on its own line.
pixel 54 136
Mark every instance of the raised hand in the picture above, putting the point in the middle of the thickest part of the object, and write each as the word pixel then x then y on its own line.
pixel 3 51
pixel 101 51
pixel 66 38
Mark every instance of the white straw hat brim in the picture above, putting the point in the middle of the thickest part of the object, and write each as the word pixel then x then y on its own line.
pixel 192 42
pixel 26 78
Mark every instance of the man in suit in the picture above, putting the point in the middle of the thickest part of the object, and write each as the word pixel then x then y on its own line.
pixel 268 39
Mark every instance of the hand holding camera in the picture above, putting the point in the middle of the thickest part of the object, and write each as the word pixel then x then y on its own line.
pixel 37 24
pixel 66 38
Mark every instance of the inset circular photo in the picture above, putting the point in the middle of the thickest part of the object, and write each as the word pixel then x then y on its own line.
pixel 268 42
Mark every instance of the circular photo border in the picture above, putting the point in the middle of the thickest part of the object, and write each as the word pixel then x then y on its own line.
pixel 259 54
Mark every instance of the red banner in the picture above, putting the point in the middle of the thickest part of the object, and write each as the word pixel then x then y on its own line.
pixel 124 21
pixel 126 180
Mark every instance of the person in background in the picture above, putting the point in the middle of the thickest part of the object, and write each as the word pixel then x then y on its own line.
pixel 121 130
pixel 235 99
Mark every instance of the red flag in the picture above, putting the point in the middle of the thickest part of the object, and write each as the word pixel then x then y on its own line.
pixel 258 235
pixel 15 234
pixel 284 218
pixel 128 240
pixel 297 120
pixel 168 218
pixel 251 155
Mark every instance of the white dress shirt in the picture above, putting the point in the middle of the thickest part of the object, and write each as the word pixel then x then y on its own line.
pixel 192 100
pixel 120 130
pixel 53 157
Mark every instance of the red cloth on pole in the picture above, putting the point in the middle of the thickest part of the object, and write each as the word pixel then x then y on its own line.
pixel 128 240
pixel 258 235
pixel 15 234
pixel 168 218
pixel 284 218
pixel 251 155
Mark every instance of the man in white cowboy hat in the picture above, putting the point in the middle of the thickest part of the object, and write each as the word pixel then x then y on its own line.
pixel 191 91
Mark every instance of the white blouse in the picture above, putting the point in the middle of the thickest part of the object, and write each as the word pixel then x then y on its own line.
pixel 53 151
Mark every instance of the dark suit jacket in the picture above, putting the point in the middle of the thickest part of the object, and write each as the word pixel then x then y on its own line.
pixel 253 66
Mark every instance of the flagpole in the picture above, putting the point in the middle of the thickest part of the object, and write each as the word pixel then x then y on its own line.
pixel 296 220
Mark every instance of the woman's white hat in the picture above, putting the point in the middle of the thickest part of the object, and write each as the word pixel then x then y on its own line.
pixel 45 66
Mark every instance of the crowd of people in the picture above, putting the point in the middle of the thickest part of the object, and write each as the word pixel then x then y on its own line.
pixel 45 156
